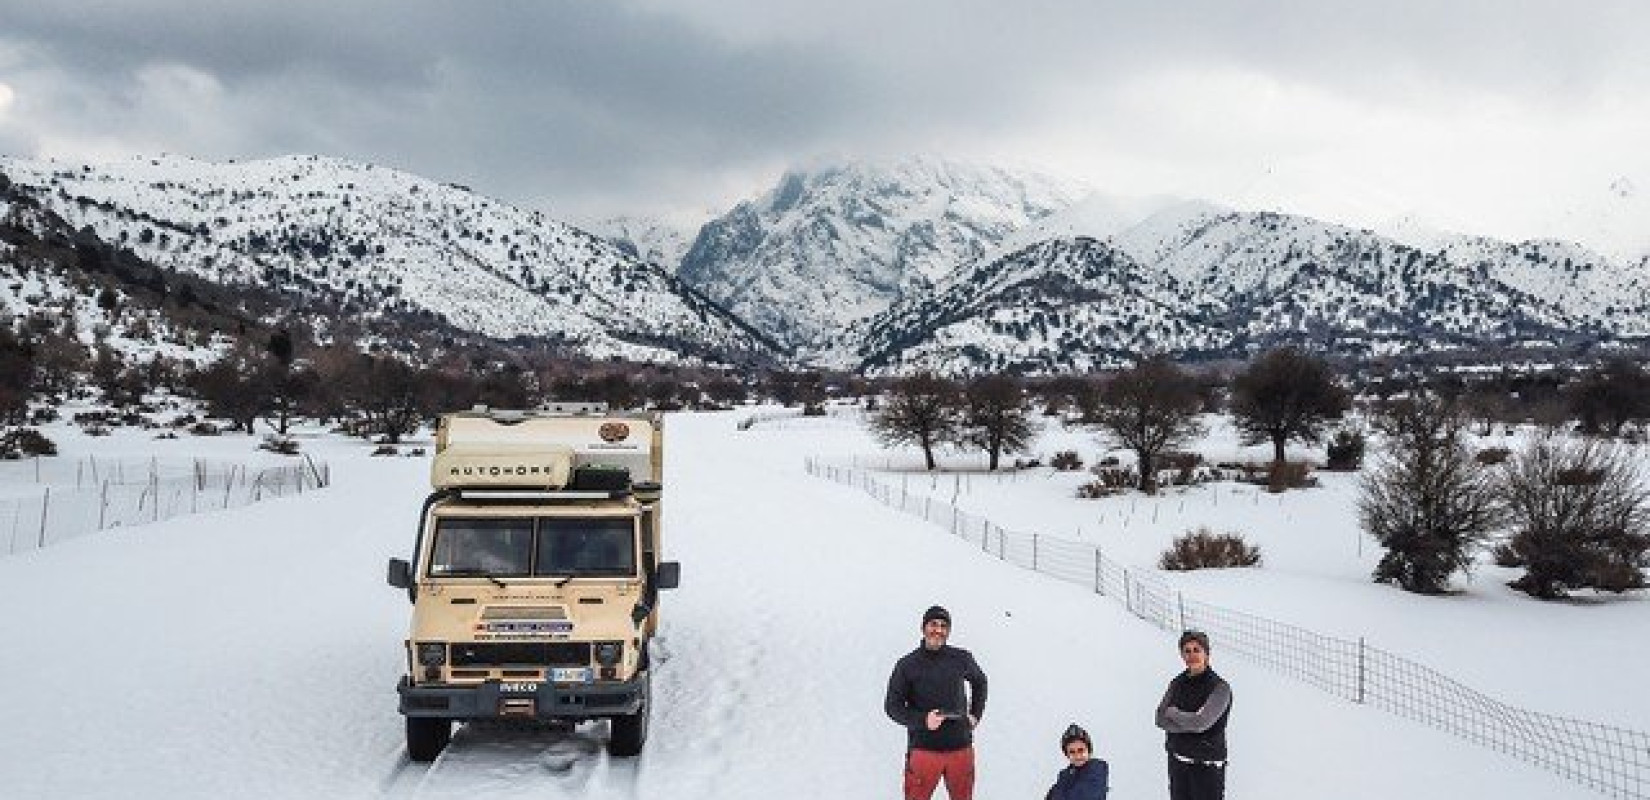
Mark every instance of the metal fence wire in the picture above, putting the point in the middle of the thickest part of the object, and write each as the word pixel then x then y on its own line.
pixel 54 501
pixel 1611 760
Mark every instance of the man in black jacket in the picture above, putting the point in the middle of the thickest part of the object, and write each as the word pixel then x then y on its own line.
pixel 926 695
pixel 1193 715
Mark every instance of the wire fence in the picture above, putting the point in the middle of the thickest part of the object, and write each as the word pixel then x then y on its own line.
pixel 1614 761
pixel 785 414
pixel 56 500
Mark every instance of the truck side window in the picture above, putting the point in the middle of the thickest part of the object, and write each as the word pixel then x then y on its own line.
pixel 482 547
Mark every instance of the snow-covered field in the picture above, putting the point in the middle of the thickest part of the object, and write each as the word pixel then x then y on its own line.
pixel 254 652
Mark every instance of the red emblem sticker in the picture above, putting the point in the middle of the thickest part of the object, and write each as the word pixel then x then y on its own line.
pixel 614 431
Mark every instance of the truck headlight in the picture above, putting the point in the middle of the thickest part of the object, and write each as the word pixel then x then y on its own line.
pixel 432 654
pixel 607 653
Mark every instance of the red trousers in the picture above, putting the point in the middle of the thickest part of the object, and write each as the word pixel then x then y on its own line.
pixel 925 768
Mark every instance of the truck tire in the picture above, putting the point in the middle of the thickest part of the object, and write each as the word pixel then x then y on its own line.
pixel 630 731
pixel 427 737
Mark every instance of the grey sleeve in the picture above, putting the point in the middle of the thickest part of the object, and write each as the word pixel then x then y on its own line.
pixel 1174 720
pixel 1162 709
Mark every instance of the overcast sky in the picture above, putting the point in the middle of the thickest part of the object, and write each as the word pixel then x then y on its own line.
pixel 1498 116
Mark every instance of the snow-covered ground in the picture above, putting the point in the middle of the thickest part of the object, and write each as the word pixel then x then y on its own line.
pixel 254 652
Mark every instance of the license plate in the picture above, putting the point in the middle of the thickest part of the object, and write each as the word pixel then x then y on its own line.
pixel 570 674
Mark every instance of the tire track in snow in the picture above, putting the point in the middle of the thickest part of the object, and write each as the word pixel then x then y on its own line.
pixel 488 759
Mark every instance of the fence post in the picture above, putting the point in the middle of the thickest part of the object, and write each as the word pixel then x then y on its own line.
pixel 1360 669
pixel 1035 538
pixel 1099 585
pixel 1180 600
pixel 102 505
pixel 45 503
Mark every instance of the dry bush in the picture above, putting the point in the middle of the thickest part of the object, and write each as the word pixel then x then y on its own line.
pixel 1117 477
pixel 1345 452
pixel 204 429
pixel 1066 461
pixel 1491 456
pixel 283 445
pixel 385 450
pixel 1287 475
pixel 1205 549
pixel 26 442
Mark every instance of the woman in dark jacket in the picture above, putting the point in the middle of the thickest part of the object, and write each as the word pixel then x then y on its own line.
pixel 1087 777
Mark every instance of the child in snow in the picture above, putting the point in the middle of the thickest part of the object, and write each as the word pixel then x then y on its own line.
pixel 1087 777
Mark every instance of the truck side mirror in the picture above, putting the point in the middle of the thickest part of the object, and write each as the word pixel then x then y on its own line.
pixel 668 576
pixel 400 574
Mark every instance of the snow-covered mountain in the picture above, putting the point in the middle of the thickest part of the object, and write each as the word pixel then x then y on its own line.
pixel 1064 304
pixel 1196 280
pixel 376 241
pixel 656 240
pixel 829 246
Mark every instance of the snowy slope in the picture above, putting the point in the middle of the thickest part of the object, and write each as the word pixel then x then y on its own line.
pixel 254 654
pixel 50 282
pixel 1062 305
pixel 656 240
pixel 377 241
pixel 1211 281
pixel 828 246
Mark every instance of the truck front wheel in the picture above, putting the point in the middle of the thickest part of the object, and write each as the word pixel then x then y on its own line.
pixel 427 737
pixel 630 731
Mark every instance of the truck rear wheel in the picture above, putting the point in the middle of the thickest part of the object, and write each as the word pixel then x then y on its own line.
pixel 427 737
pixel 630 731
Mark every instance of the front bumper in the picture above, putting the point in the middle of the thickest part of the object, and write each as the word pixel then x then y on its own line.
pixel 547 701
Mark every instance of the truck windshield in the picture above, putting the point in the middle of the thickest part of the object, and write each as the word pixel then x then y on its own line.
pixel 587 546
pixel 502 547
pixel 546 546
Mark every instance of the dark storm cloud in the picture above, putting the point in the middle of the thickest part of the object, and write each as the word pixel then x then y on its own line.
pixel 524 99
pixel 643 103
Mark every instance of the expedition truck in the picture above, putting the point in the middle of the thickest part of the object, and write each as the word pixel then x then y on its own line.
pixel 535 574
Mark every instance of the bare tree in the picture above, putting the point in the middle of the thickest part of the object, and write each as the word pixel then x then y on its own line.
pixel 1609 397
pixel 1579 516
pixel 1148 409
pixel 16 376
pixel 996 417
pixel 922 410
pixel 1286 395
pixel 1427 502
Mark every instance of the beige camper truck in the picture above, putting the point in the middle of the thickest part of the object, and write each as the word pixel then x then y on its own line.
pixel 535 574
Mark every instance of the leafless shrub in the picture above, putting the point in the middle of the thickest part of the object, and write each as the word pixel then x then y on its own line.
pixel 1580 513
pixel 1428 503
pixel 283 445
pixel 1282 476
pixel 1205 549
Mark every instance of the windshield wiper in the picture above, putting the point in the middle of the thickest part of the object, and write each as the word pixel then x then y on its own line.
pixel 473 573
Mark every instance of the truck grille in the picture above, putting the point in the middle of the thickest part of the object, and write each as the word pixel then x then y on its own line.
pixel 554 654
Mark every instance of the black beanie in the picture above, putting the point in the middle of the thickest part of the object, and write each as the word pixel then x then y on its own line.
pixel 1075 733
pixel 936 612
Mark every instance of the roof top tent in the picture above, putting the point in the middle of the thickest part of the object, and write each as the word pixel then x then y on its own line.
pixel 564 446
